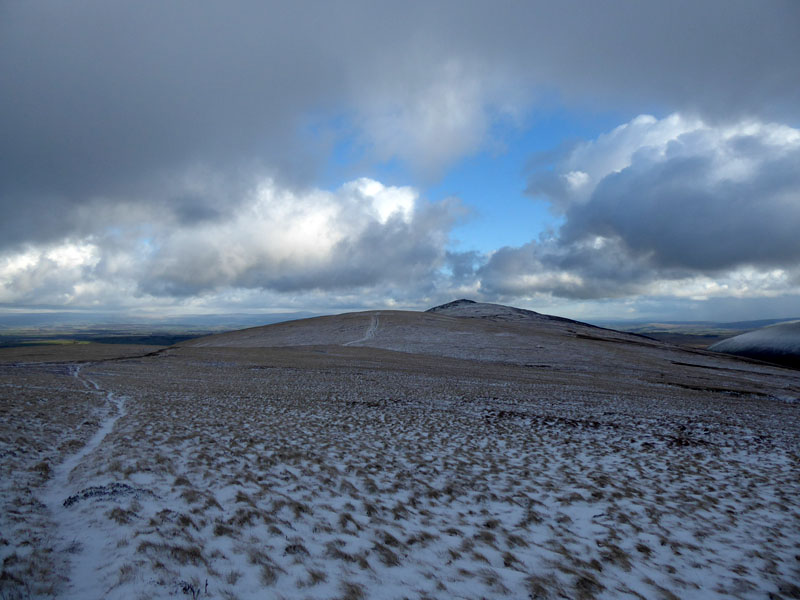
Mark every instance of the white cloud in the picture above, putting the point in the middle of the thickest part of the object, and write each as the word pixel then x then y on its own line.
pixel 384 202
pixel 51 274
pixel 362 235
pixel 744 282
pixel 646 139
pixel 588 163
pixel 430 117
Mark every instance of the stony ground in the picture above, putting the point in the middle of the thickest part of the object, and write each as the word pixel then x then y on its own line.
pixel 349 472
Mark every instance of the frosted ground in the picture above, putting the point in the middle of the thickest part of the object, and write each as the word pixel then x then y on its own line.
pixel 541 459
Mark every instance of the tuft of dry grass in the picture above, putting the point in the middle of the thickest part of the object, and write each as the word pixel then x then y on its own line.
pixel 352 591
pixel 387 556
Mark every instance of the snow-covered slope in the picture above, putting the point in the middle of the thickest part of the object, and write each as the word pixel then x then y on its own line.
pixel 461 329
pixel 603 470
pixel 475 331
pixel 777 343
pixel 361 456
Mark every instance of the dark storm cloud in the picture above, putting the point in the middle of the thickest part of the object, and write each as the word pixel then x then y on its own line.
pixel 676 214
pixel 114 100
pixel 111 99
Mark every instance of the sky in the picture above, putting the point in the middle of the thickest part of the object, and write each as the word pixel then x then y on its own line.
pixel 615 160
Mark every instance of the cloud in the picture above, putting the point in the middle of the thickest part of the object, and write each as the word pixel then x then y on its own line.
pixel 671 207
pixel 665 206
pixel 172 141
pixel 124 97
pixel 433 117
pixel 50 275
pixel 361 236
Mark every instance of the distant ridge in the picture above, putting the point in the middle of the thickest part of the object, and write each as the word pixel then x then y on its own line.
pixel 778 344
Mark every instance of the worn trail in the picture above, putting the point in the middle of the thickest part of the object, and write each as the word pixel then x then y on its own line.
pixel 75 537
pixel 372 329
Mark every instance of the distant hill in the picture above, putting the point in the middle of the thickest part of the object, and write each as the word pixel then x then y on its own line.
pixel 778 344
pixel 461 330
pixel 692 334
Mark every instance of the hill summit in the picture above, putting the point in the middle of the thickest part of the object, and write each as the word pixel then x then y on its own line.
pixel 461 329
pixel 495 312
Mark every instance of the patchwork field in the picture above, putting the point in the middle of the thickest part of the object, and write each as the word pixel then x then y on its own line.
pixel 350 469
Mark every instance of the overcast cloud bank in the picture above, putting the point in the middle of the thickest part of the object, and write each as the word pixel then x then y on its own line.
pixel 670 207
pixel 157 154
